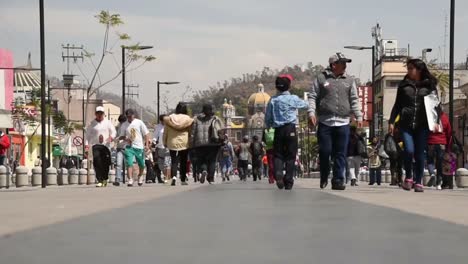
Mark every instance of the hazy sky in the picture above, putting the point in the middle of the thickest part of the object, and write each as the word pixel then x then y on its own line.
pixel 200 42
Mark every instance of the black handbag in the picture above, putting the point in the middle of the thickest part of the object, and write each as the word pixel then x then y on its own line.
pixel 391 147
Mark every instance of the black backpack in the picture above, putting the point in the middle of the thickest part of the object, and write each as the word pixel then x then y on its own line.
pixel 257 149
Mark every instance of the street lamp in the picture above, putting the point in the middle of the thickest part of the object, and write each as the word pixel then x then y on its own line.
pixel 123 71
pixel 43 93
pixel 451 63
pixel 372 131
pixel 159 84
pixel 424 54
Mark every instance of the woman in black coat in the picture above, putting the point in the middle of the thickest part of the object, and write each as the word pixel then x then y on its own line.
pixel 414 128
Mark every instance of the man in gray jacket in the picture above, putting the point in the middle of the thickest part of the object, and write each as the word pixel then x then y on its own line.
pixel 333 99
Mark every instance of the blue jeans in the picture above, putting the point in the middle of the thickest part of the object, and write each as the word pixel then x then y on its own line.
pixel 415 142
pixel 120 171
pixel 333 143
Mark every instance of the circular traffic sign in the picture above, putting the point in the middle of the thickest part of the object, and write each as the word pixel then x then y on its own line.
pixel 78 141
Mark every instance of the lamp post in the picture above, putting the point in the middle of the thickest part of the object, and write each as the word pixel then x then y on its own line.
pixel 372 130
pixel 123 70
pixel 424 54
pixel 159 86
pixel 43 93
pixel 452 54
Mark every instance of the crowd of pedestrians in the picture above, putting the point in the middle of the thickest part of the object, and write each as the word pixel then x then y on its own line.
pixel 417 136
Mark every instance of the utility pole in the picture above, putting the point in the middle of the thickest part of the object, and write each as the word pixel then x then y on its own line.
pixel 68 78
pixel 130 93
pixel 451 59
pixel 43 92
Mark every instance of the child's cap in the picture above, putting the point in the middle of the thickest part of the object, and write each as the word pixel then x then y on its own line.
pixel 283 82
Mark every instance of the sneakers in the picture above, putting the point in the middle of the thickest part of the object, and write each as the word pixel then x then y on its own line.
pixel 354 182
pixel 338 185
pixel 432 181
pixel 101 184
pixel 418 188
pixel 173 183
pixel 439 187
pixel 203 177
pixel 227 178
pixel 280 184
pixel 130 183
pixel 116 184
pixel 407 185
pixel 140 180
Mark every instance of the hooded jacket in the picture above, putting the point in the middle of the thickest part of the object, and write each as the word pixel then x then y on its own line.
pixel 409 103
pixel 177 131
pixel 202 136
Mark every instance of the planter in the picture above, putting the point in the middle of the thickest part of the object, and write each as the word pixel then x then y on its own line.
pixel 92 177
pixel 36 178
pixel 73 176
pixel 62 178
pixel 462 178
pixel 82 176
pixel 51 176
pixel 22 178
pixel 3 177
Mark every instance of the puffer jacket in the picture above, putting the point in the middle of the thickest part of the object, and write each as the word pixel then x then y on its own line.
pixel 409 103
pixel 201 134
pixel 177 131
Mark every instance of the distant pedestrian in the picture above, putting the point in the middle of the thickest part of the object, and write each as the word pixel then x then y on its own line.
pixel 243 155
pixel 226 156
pixel 438 144
pixel 334 98
pixel 4 146
pixel 38 162
pixel 281 114
pixel 356 145
pixel 160 151
pixel 375 162
pixel 121 145
pixel 268 139
pixel 176 138
pixel 414 127
pixel 100 132
pixel 138 139
pixel 208 136
pixel 256 152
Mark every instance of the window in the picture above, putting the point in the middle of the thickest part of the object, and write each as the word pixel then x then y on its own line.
pixel 391 84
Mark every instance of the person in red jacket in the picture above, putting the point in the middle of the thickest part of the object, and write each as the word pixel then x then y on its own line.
pixel 438 144
pixel 4 146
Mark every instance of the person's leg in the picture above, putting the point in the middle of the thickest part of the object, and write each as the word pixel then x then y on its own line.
pixel 174 165
pixel 378 176
pixel 183 154
pixel 120 161
pixel 97 164
pixel 324 137
pixel 280 155
pixel 211 162
pixel 129 157
pixel 340 137
pixel 408 142
pixel 357 167
pixel 439 161
pixel 291 152
pixel 351 170
pixel 372 175
pixel 271 167
pixel 420 144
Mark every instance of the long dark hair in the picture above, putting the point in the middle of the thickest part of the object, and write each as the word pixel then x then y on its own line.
pixel 421 66
pixel 181 108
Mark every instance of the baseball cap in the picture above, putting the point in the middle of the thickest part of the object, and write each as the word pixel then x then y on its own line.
pixel 100 109
pixel 338 57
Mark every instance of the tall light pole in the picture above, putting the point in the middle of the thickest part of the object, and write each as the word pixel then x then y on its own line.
pixel 159 86
pixel 424 54
pixel 372 130
pixel 123 71
pixel 43 93
pixel 451 63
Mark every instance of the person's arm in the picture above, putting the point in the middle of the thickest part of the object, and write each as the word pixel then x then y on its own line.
pixel 112 132
pixel 354 103
pixel 396 106
pixel 299 103
pixel 145 131
pixel 165 137
pixel 269 115
pixel 448 131
pixel 313 95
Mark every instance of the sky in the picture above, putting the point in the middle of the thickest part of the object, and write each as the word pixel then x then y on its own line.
pixel 201 42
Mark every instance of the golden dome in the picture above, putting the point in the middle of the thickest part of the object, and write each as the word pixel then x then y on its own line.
pixel 259 98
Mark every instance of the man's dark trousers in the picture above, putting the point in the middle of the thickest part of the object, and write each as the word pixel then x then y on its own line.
pixel 285 150
pixel 333 143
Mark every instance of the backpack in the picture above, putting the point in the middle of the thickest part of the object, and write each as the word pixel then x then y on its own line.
pixel 5 141
pixel 216 131
pixel 257 149
pixel 226 151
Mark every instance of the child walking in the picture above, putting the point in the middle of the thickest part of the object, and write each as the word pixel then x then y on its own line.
pixel 281 114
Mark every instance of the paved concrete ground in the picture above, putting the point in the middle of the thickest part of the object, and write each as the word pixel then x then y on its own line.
pixel 240 223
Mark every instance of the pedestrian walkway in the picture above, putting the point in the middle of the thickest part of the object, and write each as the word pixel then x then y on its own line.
pixel 232 223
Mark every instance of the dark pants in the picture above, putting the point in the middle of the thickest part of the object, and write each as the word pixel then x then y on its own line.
pixel 179 159
pixel 333 143
pixel 2 160
pixel 285 150
pixel 415 142
pixel 242 167
pixel 375 176
pixel 157 170
pixel 206 159
pixel 101 162
pixel 435 157
pixel 257 168
pixel 396 169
